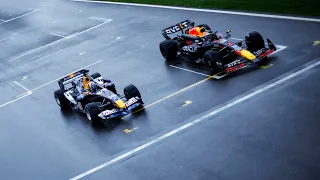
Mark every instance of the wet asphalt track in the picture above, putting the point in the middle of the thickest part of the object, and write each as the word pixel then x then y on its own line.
pixel 38 141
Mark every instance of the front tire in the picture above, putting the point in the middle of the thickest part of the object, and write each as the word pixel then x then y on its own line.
pixel 169 49
pixel 214 61
pixel 61 100
pixel 92 111
pixel 131 91
pixel 254 41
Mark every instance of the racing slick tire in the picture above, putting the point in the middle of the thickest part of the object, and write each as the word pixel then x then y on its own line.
pixel 92 111
pixel 206 26
pixel 95 75
pixel 254 41
pixel 61 100
pixel 169 49
pixel 131 91
pixel 214 60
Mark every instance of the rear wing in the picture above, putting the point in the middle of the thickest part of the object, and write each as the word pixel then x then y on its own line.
pixel 71 78
pixel 176 28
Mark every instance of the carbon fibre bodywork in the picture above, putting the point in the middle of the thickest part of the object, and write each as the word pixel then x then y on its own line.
pixel 233 55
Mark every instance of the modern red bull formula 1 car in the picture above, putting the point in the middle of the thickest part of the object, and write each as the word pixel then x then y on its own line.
pixel 221 55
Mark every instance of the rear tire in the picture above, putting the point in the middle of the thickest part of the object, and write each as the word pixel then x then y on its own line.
pixel 214 61
pixel 95 75
pixel 92 111
pixel 254 41
pixel 169 49
pixel 61 100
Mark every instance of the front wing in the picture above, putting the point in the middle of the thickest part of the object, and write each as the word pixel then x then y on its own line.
pixel 242 62
pixel 116 112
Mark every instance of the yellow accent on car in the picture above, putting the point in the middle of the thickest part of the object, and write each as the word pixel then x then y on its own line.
pixel 120 104
pixel 248 55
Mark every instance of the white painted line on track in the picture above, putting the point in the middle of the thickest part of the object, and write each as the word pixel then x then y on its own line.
pixel 279 48
pixel 24 94
pixel 28 93
pixel 31 91
pixel 22 86
pixel 78 33
pixel 34 50
pixel 206 10
pixel 189 70
pixel 98 18
pixel 9 37
pixel 19 16
pixel 194 122
pixel 54 34
pixel 63 76
pixel 67 37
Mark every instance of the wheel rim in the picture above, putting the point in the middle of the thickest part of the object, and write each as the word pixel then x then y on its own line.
pixel 57 100
pixel 88 115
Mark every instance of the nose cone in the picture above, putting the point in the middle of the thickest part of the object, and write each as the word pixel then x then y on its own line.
pixel 120 104
pixel 248 55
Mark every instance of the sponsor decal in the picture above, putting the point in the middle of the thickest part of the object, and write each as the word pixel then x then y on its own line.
pixel 176 28
pixel 108 112
pixel 131 101
pixel 234 68
pixel 233 63
pixel 189 48
pixel 259 52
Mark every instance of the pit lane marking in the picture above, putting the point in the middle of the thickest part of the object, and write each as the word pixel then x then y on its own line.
pixel 18 98
pixel 288 76
pixel 9 37
pixel 316 43
pixel 266 66
pixel 31 91
pixel 130 130
pixel 93 18
pixel 54 34
pixel 195 72
pixel 67 37
pixel 19 16
pixel 205 10
pixel 187 102
pixel 22 86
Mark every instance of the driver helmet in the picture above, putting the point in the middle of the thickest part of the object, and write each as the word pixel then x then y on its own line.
pixel 200 31
pixel 92 87
pixel 86 81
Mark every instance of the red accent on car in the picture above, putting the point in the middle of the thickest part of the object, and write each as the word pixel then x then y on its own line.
pixel 234 68
pixel 238 53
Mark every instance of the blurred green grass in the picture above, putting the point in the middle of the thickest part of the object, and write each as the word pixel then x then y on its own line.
pixel 291 7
